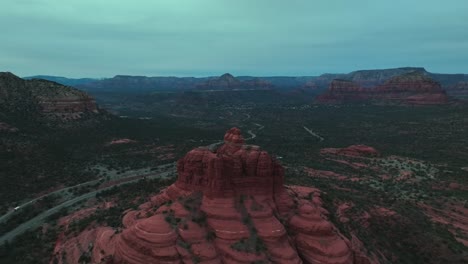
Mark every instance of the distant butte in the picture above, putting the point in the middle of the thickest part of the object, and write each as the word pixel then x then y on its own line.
pixel 228 205
pixel 410 88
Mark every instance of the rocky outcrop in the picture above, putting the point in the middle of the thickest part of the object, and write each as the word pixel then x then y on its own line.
pixel 229 205
pixel 410 88
pixel 342 90
pixel 46 97
pixel 364 78
pixel 352 151
pixel 229 82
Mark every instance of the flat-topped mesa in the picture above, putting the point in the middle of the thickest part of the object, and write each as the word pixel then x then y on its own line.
pixel 233 169
pixel 410 88
pixel 411 82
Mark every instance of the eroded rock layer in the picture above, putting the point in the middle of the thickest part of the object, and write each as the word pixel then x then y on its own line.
pixel 229 205
pixel 410 88
pixel 45 97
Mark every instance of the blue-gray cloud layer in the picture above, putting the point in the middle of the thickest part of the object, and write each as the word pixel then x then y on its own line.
pixel 100 38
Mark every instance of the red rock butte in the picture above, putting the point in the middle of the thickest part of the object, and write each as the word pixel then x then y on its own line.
pixel 415 88
pixel 228 205
pixel 231 170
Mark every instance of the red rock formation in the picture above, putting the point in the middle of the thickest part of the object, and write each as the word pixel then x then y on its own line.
pixel 49 98
pixel 230 206
pixel 410 88
pixel 342 90
pixel 353 151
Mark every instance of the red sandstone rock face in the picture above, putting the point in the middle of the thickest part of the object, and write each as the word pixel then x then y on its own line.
pixel 353 151
pixel 409 88
pixel 230 206
pixel 67 104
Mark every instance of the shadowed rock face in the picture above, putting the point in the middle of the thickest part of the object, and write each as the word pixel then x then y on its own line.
pixel 229 206
pixel 460 89
pixel 46 97
pixel 410 88
pixel 234 169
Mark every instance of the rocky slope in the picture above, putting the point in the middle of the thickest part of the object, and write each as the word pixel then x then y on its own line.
pixel 45 97
pixel 228 205
pixel 459 90
pixel 409 88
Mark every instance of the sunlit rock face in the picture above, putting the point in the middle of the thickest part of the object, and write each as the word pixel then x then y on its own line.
pixel 229 205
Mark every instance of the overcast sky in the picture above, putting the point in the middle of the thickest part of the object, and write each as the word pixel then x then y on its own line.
pixel 97 38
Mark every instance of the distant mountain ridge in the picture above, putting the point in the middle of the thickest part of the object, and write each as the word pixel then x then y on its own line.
pixel 63 80
pixel 317 84
pixel 229 82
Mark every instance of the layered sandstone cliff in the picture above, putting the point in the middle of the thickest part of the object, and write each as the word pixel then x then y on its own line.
pixel 228 205
pixel 410 88
pixel 46 97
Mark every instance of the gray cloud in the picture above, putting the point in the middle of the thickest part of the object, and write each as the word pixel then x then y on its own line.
pixel 208 37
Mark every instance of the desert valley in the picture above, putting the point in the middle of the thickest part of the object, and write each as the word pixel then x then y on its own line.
pixel 363 167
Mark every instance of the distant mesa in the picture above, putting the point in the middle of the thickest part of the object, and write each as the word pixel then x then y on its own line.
pixel 363 78
pixel 410 88
pixel 228 205
pixel 229 82
pixel 43 97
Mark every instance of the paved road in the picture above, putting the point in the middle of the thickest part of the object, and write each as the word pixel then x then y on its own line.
pixel 39 219
pixel 313 133
pixel 6 216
